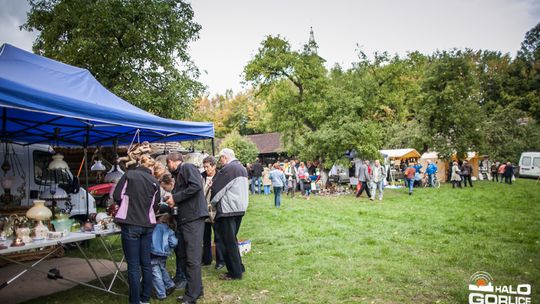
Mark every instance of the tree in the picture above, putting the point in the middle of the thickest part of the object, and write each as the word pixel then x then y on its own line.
pixel 244 112
pixel 244 149
pixel 135 48
pixel 451 112
pixel 527 74
pixel 317 120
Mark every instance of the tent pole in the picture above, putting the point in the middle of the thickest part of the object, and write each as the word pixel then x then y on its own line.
pixel 4 120
pixel 87 139
pixel 213 149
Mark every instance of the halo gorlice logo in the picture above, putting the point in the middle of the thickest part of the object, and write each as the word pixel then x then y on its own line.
pixel 482 291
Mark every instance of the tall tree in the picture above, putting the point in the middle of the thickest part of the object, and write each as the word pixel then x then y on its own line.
pixel 527 74
pixel 451 111
pixel 316 119
pixel 135 48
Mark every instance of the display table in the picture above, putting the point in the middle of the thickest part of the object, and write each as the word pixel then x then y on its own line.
pixel 73 237
pixel 109 248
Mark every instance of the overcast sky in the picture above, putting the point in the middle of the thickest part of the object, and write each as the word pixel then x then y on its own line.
pixel 233 30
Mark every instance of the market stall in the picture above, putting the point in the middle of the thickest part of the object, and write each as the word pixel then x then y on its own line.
pixel 43 101
pixel 46 103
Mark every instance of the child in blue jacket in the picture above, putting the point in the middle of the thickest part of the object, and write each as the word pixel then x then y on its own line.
pixel 163 241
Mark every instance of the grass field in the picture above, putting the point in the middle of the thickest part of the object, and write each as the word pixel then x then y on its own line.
pixel 408 249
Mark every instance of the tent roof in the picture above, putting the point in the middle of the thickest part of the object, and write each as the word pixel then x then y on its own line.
pixel 430 155
pixel 400 153
pixel 434 155
pixel 46 101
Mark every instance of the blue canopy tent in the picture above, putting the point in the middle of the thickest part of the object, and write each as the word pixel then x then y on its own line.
pixel 46 101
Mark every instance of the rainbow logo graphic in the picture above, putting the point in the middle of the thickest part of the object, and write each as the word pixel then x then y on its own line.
pixel 481 281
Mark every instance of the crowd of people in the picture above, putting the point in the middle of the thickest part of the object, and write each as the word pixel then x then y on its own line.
pixel 174 207
pixel 284 177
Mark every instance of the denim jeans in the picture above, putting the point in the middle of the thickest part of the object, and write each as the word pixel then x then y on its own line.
pixel 266 189
pixel 136 242
pixel 410 182
pixel 277 196
pixel 430 180
pixel 377 186
pixel 160 277
pixel 256 185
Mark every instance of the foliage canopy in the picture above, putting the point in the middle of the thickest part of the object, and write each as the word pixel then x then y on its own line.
pixel 135 48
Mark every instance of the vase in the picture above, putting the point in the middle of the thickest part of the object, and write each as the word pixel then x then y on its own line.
pixel 23 233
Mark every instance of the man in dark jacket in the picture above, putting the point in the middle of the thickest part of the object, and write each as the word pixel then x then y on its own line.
pixel 188 197
pixel 230 196
pixel 257 170
pixel 508 173
pixel 466 172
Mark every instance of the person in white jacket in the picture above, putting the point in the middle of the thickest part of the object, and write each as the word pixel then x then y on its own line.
pixel 378 175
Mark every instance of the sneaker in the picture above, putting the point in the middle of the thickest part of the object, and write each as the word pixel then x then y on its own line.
pixel 219 266
pixel 380 198
pixel 410 193
pixel 227 277
pixel 181 299
pixel 371 198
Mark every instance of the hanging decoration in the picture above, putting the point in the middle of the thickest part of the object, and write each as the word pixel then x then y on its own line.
pixel 12 172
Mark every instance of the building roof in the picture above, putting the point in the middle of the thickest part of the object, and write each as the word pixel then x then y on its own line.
pixel 267 143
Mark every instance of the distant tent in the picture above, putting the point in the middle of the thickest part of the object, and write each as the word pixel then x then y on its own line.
pixel 443 165
pixel 401 154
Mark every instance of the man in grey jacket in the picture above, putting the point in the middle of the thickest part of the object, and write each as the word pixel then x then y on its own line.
pixel 230 197
pixel 364 178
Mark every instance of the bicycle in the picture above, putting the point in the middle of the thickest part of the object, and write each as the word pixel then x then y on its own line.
pixel 436 183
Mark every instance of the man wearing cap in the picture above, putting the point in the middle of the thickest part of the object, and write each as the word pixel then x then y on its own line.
pixel 230 197
pixel 188 196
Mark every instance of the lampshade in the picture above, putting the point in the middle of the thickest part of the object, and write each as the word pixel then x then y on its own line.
pixel 39 211
pixel 98 166
pixel 114 175
pixel 53 192
pixel 58 163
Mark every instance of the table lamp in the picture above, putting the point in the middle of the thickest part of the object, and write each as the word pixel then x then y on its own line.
pixel 39 212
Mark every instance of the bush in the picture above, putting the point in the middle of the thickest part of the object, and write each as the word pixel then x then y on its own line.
pixel 244 149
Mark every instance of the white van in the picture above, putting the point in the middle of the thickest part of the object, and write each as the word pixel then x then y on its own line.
pixel 31 184
pixel 529 164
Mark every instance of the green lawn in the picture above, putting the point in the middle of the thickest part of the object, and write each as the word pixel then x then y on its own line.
pixel 408 249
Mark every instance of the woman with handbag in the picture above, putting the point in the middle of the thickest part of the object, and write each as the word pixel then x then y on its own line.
pixel 209 165
pixel 455 177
